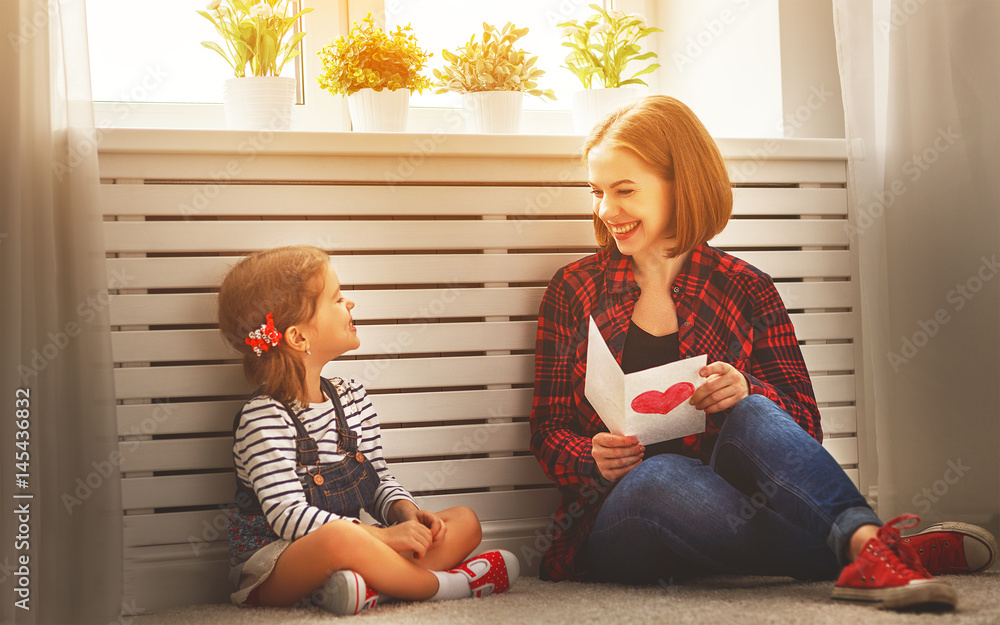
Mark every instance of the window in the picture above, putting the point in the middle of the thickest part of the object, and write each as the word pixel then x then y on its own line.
pixel 149 69
pixel 168 79
pixel 162 61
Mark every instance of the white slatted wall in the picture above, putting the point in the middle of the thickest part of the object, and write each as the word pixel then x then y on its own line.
pixel 447 260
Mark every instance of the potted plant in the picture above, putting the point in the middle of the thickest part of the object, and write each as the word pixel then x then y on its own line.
pixel 258 44
pixel 377 71
pixel 600 49
pixel 493 77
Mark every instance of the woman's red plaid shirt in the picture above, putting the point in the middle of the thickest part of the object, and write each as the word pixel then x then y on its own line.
pixel 726 309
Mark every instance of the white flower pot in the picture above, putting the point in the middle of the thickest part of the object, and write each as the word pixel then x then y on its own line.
pixel 259 102
pixel 592 105
pixel 497 112
pixel 379 111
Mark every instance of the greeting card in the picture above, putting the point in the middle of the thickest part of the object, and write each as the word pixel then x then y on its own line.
pixel 651 405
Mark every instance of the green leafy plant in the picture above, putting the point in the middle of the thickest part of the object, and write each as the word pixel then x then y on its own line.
pixel 604 44
pixel 492 64
pixel 371 58
pixel 254 34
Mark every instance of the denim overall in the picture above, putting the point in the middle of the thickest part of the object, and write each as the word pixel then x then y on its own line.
pixel 342 487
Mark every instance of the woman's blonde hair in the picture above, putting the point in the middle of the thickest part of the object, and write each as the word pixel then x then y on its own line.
pixel 285 282
pixel 667 135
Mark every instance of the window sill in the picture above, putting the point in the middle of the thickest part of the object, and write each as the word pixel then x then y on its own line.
pixel 208 141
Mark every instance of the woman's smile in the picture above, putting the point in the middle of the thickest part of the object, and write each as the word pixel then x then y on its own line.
pixel 622 230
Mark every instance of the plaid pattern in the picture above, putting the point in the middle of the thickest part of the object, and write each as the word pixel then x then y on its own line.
pixel 725 308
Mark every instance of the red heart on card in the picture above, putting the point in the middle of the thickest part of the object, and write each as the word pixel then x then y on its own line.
pixel 655 402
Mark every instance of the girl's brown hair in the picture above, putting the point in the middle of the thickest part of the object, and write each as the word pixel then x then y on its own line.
pixel 285 282
pixel 668 136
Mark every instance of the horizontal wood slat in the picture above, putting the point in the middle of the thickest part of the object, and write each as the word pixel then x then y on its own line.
pixel 176 345
pixel 175 491
pixel 831 389
pixel 399 171
pixel 461 441
pixel 389 373
pixel 839 419
pixel 395 171
pixel 401 235
pixel 844 450
pixel 208 344
pixel 217 489
pixel 400 269
pixel 166 419
pixel 392 408
pixel 221 380
pixel 211 489
pixel 418 305
pixel 204 200
pixel 193 528
pixel 160 584
pixel 354 270
pixel 217 452
pixel 761 171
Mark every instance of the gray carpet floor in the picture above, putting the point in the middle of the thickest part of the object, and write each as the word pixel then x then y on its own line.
pixel 722 600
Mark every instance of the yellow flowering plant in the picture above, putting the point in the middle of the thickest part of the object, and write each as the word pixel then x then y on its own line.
pixel 493 64
pixel 254 34
pixel 371 58
pixel 604 44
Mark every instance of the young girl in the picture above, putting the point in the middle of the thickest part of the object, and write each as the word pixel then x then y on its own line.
pixel 308 457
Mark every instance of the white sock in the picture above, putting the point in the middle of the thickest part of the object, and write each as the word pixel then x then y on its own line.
pixel 451 586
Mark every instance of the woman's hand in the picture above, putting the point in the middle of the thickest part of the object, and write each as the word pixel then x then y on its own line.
pixel 723 389
pixel 616 455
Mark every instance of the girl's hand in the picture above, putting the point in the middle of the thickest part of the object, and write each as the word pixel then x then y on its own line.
pixel 616 455
pixel 432 522
pixel 406 536
pixel 723 389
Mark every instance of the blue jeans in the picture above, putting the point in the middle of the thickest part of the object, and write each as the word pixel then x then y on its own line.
pixel 772 501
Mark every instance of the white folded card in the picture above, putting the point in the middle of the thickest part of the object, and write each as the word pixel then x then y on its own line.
pixel 651 405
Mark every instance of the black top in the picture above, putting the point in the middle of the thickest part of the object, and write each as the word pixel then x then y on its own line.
pixel 645 351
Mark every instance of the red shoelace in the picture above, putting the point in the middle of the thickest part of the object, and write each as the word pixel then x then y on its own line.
pixel 889 534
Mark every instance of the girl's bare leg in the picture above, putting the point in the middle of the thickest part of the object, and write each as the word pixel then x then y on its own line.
pixel 308 562
pixel 463 536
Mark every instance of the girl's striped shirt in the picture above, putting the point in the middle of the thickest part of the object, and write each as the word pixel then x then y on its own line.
pixel 264 454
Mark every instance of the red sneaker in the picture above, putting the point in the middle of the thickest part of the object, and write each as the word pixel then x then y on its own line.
pixel 888 573
pixel 945 548
pixel 345 593
pixel 490 572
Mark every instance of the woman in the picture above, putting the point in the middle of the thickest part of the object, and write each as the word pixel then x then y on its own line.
pixel 756 493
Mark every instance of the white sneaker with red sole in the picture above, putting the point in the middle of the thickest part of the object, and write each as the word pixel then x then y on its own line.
pixel 345 593
pixel 490 572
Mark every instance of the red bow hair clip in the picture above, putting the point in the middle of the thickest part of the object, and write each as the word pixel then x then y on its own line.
pixel 265 337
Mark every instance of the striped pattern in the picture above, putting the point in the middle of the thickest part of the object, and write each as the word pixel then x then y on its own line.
pixel 264 455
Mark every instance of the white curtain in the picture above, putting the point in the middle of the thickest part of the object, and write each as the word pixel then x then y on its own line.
pixel 921 83
pixel 55 346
